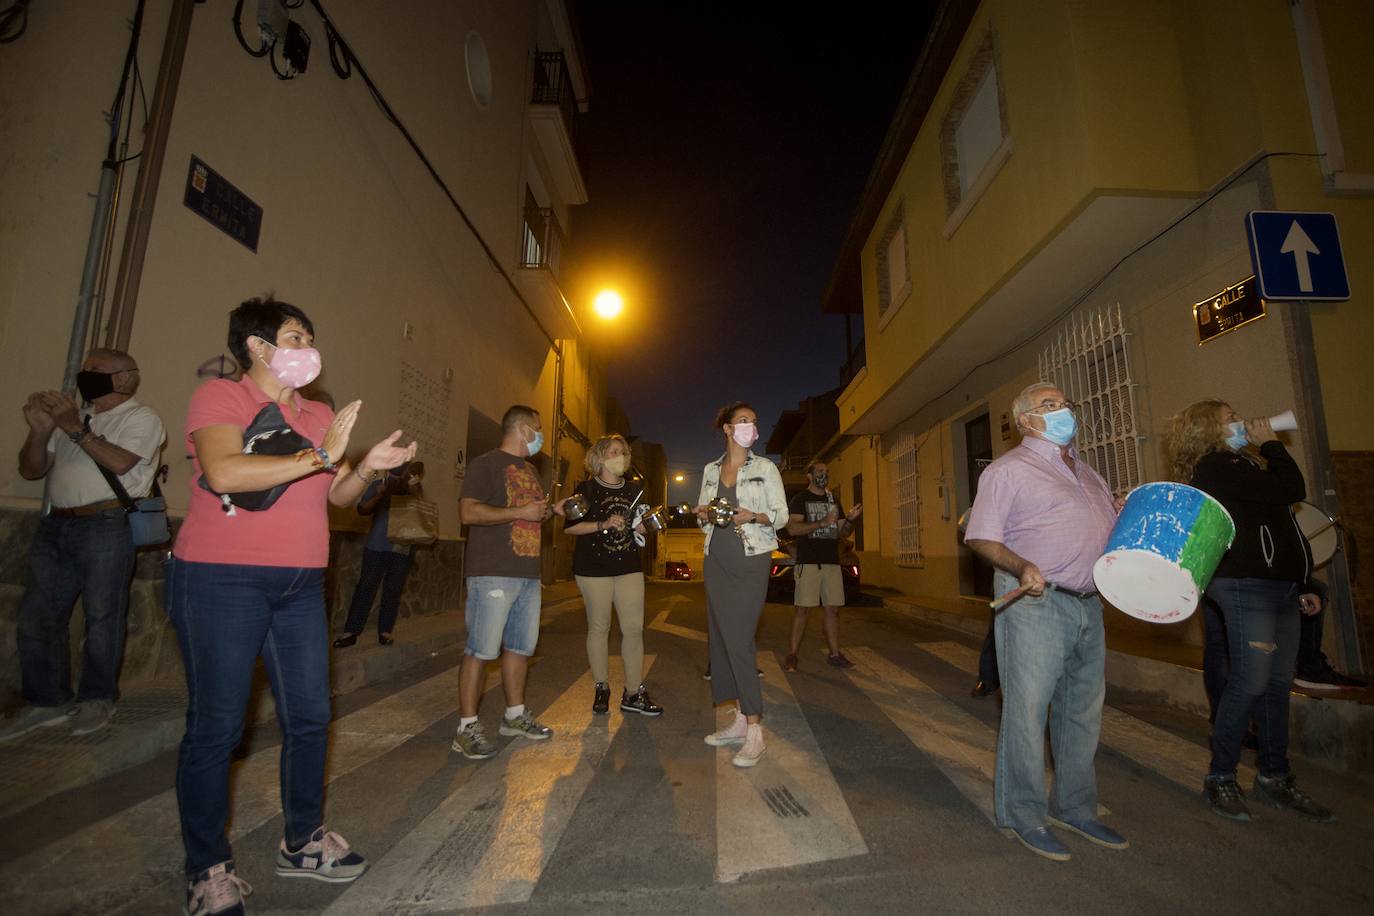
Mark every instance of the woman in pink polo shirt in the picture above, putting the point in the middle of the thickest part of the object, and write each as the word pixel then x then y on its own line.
pixel 246 578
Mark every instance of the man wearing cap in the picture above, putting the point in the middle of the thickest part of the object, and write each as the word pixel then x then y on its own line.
pixel 1042 518
pixel 83 547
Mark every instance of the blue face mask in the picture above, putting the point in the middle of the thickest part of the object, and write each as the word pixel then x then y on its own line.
pixel 1060 425
pixel 534 445
pixel 1239 438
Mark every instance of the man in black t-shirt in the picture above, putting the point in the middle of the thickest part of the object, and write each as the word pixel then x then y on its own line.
pixel 816 523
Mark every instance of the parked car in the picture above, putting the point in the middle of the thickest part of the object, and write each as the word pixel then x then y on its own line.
pixel 676 569
pixel 782 582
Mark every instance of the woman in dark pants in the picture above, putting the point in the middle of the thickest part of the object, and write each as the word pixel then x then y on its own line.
pixel 246 579
pixel 384 564
pixel 737 561
pixel 1261 588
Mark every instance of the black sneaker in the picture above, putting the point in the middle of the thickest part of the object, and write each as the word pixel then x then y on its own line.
pixel 601 703
pixel 1283 792
pixel 639 702
pixel 1224 795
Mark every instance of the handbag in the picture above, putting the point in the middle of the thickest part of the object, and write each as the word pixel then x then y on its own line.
pixel 147 516
pixel 268 434
pixel 412 520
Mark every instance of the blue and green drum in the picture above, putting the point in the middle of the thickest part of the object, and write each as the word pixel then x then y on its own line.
pixel 1163 551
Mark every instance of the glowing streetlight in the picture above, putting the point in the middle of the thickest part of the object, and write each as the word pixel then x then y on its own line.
pixel 608 304
pixel 678 478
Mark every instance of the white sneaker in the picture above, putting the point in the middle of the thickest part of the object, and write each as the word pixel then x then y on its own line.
pixel 92 716
pixel 32 717
pixel 753 748
pixel 734 733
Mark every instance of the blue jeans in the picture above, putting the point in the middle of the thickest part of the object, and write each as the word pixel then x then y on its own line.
pixel 93 557
pixel 225 616
pixel 385 568
pixel 1261 617
pixel 502 611
pixel 1051 652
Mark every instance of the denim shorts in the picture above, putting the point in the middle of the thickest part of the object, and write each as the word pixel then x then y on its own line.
pixel 502 611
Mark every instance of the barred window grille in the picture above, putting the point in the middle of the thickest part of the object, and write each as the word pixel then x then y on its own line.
pixel 1090 362
pixel 908 503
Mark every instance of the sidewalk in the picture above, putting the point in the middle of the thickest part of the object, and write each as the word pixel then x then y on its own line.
pixel 150 717
pixel 1331 728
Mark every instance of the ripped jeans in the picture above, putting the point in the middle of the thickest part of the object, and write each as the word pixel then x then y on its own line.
pixel 1262 628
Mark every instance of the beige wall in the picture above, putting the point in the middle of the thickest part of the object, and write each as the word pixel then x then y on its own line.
pixel 354 230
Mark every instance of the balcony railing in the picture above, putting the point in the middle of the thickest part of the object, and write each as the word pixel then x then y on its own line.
pixel 553 85
pixel 543 240
pixel 856 361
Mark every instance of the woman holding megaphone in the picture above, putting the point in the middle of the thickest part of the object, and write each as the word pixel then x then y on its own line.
pixel 1261 587
pixel 741 507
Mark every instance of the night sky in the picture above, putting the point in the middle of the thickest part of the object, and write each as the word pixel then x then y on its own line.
pixel 724 152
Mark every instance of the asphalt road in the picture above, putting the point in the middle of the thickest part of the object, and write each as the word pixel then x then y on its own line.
pixel 874 796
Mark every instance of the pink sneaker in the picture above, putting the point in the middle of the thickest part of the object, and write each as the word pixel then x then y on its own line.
pixel 217 891
pixel 733 733
pixel 753 748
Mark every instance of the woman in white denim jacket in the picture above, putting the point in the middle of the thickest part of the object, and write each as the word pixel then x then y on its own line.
pixel 738 556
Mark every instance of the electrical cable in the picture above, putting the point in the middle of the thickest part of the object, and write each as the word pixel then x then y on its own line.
pixel 14 21
pixel 263 47
pixel 340 50
pixel 1079 300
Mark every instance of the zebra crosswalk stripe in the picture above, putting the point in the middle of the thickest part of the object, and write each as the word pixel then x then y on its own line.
pixel 960 744
pixel 1176 759
pixel 788 810
pixel 141 845
pixel 488 842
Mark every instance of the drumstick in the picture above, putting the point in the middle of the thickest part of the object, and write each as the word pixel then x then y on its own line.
pixel 1311 534
pixel 1012 595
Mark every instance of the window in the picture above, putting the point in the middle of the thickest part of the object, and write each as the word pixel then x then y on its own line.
pixel 979 132
pixel 975 136
pixel 894 275
pixel 1089 360
pixel 908 502
pixel 479 69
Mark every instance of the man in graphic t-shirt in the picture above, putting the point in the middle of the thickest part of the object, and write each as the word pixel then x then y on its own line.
pixel 817 522
pixel 504 506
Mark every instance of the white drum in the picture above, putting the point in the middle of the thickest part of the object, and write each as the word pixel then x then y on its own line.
pixel 1320 530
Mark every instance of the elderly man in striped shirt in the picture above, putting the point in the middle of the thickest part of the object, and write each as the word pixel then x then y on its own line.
pixel 1042 518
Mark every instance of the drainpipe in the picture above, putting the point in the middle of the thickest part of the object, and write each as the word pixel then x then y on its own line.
pixel 553 473
pixel 100 221
pixel 130 274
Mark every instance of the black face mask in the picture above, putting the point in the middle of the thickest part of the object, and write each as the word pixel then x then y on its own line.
pixel 820 480
pixel 93 385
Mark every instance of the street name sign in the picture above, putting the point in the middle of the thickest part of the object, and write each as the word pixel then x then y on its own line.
pixel 1297 255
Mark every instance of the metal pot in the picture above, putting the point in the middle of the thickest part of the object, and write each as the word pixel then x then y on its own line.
pixel 720 512
pixel 655 519
pixel 576 508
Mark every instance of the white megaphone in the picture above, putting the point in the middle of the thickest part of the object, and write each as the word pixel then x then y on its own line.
pixel 1284 422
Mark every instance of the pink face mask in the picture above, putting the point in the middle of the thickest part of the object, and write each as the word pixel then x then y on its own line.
pixel 746 434
pixel 294 368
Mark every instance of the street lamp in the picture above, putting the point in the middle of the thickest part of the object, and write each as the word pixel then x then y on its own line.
pixel 679 478
pixel 608 304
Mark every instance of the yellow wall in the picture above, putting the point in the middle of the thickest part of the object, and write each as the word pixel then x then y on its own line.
pixel 1137 99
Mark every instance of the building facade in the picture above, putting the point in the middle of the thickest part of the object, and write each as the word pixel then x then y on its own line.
pixel 1063 183
pixel 410 189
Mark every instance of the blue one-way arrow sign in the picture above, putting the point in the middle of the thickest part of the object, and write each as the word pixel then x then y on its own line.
pixel 1297 255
